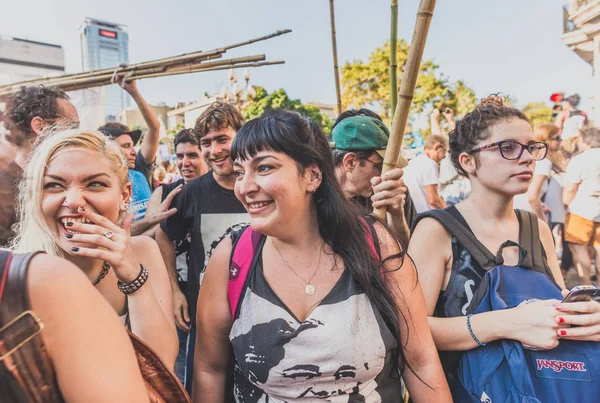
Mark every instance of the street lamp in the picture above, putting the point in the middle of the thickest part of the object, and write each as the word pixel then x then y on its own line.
pixel 233 94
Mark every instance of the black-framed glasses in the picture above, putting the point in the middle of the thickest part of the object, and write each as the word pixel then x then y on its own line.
pixel 512 150
pixel 377 165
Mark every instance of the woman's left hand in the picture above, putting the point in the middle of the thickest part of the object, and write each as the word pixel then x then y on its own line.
pixel 584 318
pixel 107 241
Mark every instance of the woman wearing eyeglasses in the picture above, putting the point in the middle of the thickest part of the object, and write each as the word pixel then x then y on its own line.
pixel 494 146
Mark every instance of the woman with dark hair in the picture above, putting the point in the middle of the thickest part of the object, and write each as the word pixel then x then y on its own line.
pixel 319 316
pixel 494 146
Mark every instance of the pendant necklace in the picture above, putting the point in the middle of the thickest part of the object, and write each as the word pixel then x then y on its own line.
pixel 310 288
pixel 103 273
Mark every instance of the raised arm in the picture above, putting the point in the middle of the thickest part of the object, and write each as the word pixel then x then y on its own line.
pixel 213 323
pixel 83 335
pixel 425 378
pixel 151 137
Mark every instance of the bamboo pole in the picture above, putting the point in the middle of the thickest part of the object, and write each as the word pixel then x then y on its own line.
pixel 159 64
pixel 216 68
pixel 335 58
pixel 393 158
pixel 393 58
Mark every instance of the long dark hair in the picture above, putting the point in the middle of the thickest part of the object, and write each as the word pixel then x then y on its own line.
pixel 288 132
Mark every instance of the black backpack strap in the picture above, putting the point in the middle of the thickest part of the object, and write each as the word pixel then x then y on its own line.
pixel 484 258
pixel 529 238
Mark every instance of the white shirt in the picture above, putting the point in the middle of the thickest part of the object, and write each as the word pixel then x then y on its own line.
pixel 420 172
pixel 543 168
pixel 584 169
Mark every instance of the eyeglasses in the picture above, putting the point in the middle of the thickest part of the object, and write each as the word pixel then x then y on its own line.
pixel 512 150
pixel 377 165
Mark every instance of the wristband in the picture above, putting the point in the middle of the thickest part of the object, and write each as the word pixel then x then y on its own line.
pixel 471 331
pixel 136 284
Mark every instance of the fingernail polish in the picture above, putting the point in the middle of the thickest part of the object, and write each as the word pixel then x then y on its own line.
pixel 558 308
pixel 75 249
pixel 69 236
pixel 561 320
pixel 69 224
pixel 563 332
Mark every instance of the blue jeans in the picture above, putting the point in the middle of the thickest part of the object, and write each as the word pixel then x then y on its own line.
pixel 180 361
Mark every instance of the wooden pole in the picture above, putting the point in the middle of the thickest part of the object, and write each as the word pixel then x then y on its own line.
pixel 393 157
pixel 393 59
pixel 335 58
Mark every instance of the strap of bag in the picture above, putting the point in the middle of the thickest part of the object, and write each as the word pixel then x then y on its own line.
pixel 478 251
pixel 23 354
pixel 243 256
pixel 529 238
pixel 161 384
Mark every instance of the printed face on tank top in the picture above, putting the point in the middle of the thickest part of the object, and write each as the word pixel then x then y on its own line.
pixel 337 354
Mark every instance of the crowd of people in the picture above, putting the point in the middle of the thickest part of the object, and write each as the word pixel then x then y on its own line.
pixel 251 269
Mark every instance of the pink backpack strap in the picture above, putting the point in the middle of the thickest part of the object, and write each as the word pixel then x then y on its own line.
pixel 241 263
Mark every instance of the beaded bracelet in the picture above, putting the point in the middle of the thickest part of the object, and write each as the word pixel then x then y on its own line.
pixel 471 331
pixel 136 284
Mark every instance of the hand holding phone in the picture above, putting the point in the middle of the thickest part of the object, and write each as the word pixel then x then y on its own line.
pixel 582 293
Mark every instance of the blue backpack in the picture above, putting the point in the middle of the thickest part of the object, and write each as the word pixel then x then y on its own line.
pixel 503 371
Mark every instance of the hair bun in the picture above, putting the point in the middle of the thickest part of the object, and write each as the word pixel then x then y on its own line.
pixel 493 100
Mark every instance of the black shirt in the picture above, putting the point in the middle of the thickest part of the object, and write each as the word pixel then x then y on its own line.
pixel 205 210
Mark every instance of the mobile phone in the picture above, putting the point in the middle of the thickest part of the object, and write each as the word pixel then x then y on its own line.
pixel 582 293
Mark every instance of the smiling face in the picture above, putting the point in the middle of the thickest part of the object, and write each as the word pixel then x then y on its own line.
pixel 189 163
pixel 93 184
pixel 273 191
pixel 215 147
pixel 494 172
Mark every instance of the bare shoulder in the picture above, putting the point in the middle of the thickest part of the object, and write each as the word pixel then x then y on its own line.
pixel 430 227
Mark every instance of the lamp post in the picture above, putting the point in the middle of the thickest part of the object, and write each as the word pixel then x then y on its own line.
pixel 233 94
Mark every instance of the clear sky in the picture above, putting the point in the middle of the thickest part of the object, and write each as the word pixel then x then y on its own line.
pixel 509 46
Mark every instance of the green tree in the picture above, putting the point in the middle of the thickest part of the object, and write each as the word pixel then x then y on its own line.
pixel 538 113
pixel 368 83
pixel 264 101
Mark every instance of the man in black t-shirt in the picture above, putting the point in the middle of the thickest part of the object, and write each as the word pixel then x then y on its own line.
pixel 190 166
pixel 206 207
pixel 359 139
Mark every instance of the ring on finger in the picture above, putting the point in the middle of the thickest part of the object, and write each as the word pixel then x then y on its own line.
pixel 108 233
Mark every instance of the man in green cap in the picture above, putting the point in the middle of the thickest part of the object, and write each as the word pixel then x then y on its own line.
pixel 359 139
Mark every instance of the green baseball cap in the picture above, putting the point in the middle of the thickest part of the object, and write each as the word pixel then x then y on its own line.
pixel 360 133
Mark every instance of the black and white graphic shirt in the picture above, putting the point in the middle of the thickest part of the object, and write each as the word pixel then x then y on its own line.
pixel 343 352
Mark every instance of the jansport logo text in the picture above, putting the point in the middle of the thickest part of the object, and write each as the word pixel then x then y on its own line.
pixel 557 365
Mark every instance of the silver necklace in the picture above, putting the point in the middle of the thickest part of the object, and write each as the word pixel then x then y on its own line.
pixel 309 289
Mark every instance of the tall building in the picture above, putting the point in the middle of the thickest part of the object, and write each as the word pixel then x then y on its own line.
pixel 22 59
pixel 105 45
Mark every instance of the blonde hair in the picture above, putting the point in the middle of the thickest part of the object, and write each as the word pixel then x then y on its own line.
pixel 33 233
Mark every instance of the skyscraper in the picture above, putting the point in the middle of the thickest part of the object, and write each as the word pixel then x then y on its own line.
pixel 105 45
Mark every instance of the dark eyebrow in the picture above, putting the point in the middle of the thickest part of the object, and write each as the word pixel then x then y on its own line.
pixel 263 157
